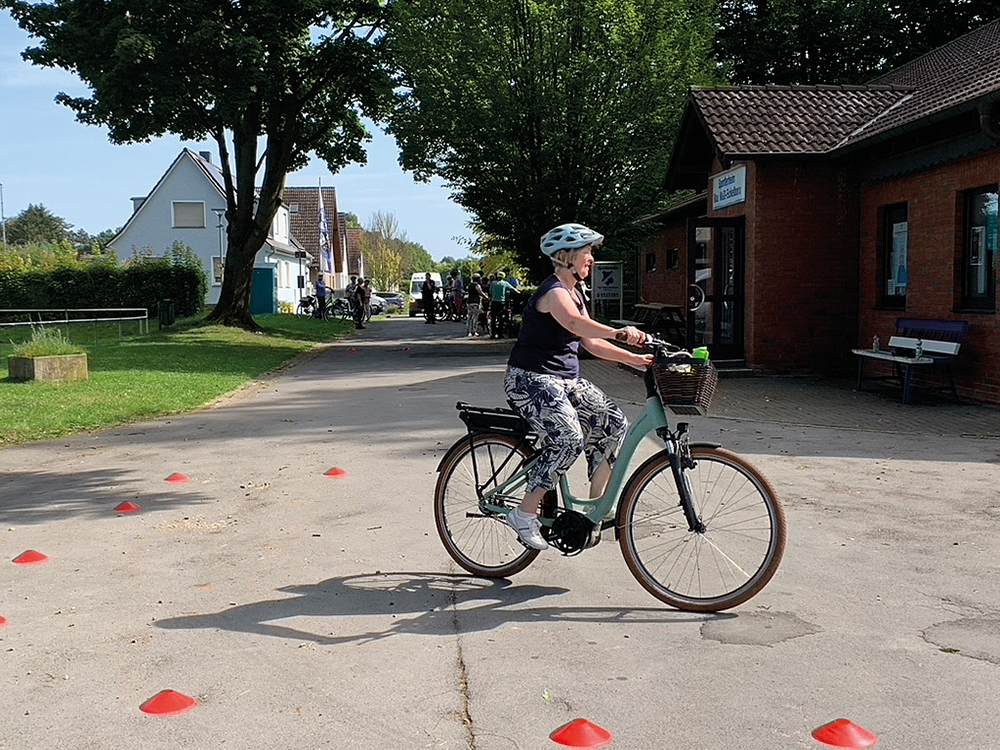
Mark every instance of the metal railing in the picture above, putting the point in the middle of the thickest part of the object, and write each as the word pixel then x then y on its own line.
pixel 70 317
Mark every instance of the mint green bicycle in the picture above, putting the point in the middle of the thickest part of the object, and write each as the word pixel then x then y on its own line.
pixel 699 527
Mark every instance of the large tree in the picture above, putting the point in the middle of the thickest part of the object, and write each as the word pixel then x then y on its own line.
pixel 836 41
pixel 538 112
pixel 37 224
pixel 269 81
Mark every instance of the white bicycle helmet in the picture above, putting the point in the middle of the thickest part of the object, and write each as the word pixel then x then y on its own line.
pixel 569 237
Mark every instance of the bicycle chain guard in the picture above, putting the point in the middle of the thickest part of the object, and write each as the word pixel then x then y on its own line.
pixel 572 532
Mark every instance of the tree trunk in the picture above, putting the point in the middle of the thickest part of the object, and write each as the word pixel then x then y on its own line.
pixel 233 307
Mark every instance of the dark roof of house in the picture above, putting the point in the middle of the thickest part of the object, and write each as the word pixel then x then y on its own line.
pixel 751 121
pixel 957 75
pixel 756 120
pixel 303 216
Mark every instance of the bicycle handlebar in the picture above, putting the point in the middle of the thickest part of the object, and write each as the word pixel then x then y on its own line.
pixel 658 346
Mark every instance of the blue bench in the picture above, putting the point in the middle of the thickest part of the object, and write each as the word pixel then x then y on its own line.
pixel 938 342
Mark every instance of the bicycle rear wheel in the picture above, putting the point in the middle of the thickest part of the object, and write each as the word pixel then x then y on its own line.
pixel 304 309
pixel 481 543
pixel 726 564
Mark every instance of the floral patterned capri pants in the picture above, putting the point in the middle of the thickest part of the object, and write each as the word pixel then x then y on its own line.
pixel 571 415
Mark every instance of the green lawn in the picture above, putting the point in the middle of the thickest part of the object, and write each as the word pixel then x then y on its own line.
pixel 163 372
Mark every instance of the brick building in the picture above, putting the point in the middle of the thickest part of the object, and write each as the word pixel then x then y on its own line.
pixel 818 215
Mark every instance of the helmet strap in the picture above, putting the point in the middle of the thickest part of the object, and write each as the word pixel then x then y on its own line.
pixel 569 266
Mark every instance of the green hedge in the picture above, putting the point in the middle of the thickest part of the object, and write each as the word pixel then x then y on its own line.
pixel 141 285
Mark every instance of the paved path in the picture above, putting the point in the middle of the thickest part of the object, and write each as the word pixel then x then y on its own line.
pixel 308 612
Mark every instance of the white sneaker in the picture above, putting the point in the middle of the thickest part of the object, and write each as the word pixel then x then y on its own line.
pixel 527 529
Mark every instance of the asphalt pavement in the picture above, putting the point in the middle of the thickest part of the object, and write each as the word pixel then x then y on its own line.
pixel 310 611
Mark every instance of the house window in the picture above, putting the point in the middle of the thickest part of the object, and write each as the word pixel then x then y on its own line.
pixel 189 214
pixel 895 254
pixel 218 265
pixel 980 249
pixel 650 262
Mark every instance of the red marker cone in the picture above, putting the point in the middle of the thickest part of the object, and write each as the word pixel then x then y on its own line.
pixel 126 507
pixel 581 733
pixel 844 733
pixel 335 473
pixel 177 479
pixel 168 703
pixel 4 622
pixel 30 557
pixel 408 351
pixel 352 350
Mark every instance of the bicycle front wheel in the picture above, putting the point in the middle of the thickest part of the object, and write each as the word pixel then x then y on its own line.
pixel 708 570
pixel 482 543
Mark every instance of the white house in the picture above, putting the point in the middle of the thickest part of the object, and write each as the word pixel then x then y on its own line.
pixel 188 204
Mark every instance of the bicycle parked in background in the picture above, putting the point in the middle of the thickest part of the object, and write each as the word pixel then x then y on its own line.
pixel 700 528
pixel 309 307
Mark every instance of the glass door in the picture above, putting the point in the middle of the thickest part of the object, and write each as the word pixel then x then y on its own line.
pixel 715 286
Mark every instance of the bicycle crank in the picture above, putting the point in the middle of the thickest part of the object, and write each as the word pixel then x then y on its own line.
pixel 572 532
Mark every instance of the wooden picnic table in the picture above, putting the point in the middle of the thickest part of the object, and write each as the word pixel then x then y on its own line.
pixel 658 318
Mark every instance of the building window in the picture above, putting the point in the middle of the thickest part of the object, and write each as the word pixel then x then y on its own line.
pixel 650 262
pixel 895 254
pixel 980 249
pixel 189 214
pixel 218 265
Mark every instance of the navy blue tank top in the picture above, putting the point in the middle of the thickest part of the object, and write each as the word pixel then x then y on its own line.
pixel 543 345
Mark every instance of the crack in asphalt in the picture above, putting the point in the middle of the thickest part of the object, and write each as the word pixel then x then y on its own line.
pixel 463 676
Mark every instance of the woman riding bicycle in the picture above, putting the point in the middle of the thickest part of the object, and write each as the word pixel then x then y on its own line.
pixel 570 414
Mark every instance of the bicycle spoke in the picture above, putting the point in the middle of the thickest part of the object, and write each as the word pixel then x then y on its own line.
pixel 732 556
pixel 479 541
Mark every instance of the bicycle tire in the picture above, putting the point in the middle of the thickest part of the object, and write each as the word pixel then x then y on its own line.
pixel 727 564
pixel 468 536
pixel 342 308
pixel 303 310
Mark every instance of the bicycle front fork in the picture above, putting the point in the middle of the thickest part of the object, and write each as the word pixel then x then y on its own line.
pixel 679 450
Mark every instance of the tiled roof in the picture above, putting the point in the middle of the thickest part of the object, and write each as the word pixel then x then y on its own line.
pixel 960 73
pixel 754 120
pixel 303 212
pixel 759 120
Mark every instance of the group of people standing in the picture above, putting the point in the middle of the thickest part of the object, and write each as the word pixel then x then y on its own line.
pixel 486 302
pixel 359 294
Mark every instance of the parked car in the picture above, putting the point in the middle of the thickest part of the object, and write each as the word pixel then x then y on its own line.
pixel 393 300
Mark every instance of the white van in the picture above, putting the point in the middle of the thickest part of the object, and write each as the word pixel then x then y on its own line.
pixel 416 290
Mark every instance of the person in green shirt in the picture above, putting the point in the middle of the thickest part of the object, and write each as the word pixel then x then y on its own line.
pixel 500 293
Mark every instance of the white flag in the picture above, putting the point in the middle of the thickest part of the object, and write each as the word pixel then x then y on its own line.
pixel 325 251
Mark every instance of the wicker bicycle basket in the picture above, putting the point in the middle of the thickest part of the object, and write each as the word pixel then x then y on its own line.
pixel 686 388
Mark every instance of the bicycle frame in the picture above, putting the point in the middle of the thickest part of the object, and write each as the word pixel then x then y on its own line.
pixel 652 419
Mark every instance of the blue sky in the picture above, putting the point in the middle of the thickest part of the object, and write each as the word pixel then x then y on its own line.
pixel 48 158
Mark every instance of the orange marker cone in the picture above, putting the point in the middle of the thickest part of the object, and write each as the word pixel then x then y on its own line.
pixel 168 703
pixel 844 733
pixel 335 473
pixel 126 507
pixel 177 479
pixel 30 557
pixel 581 733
